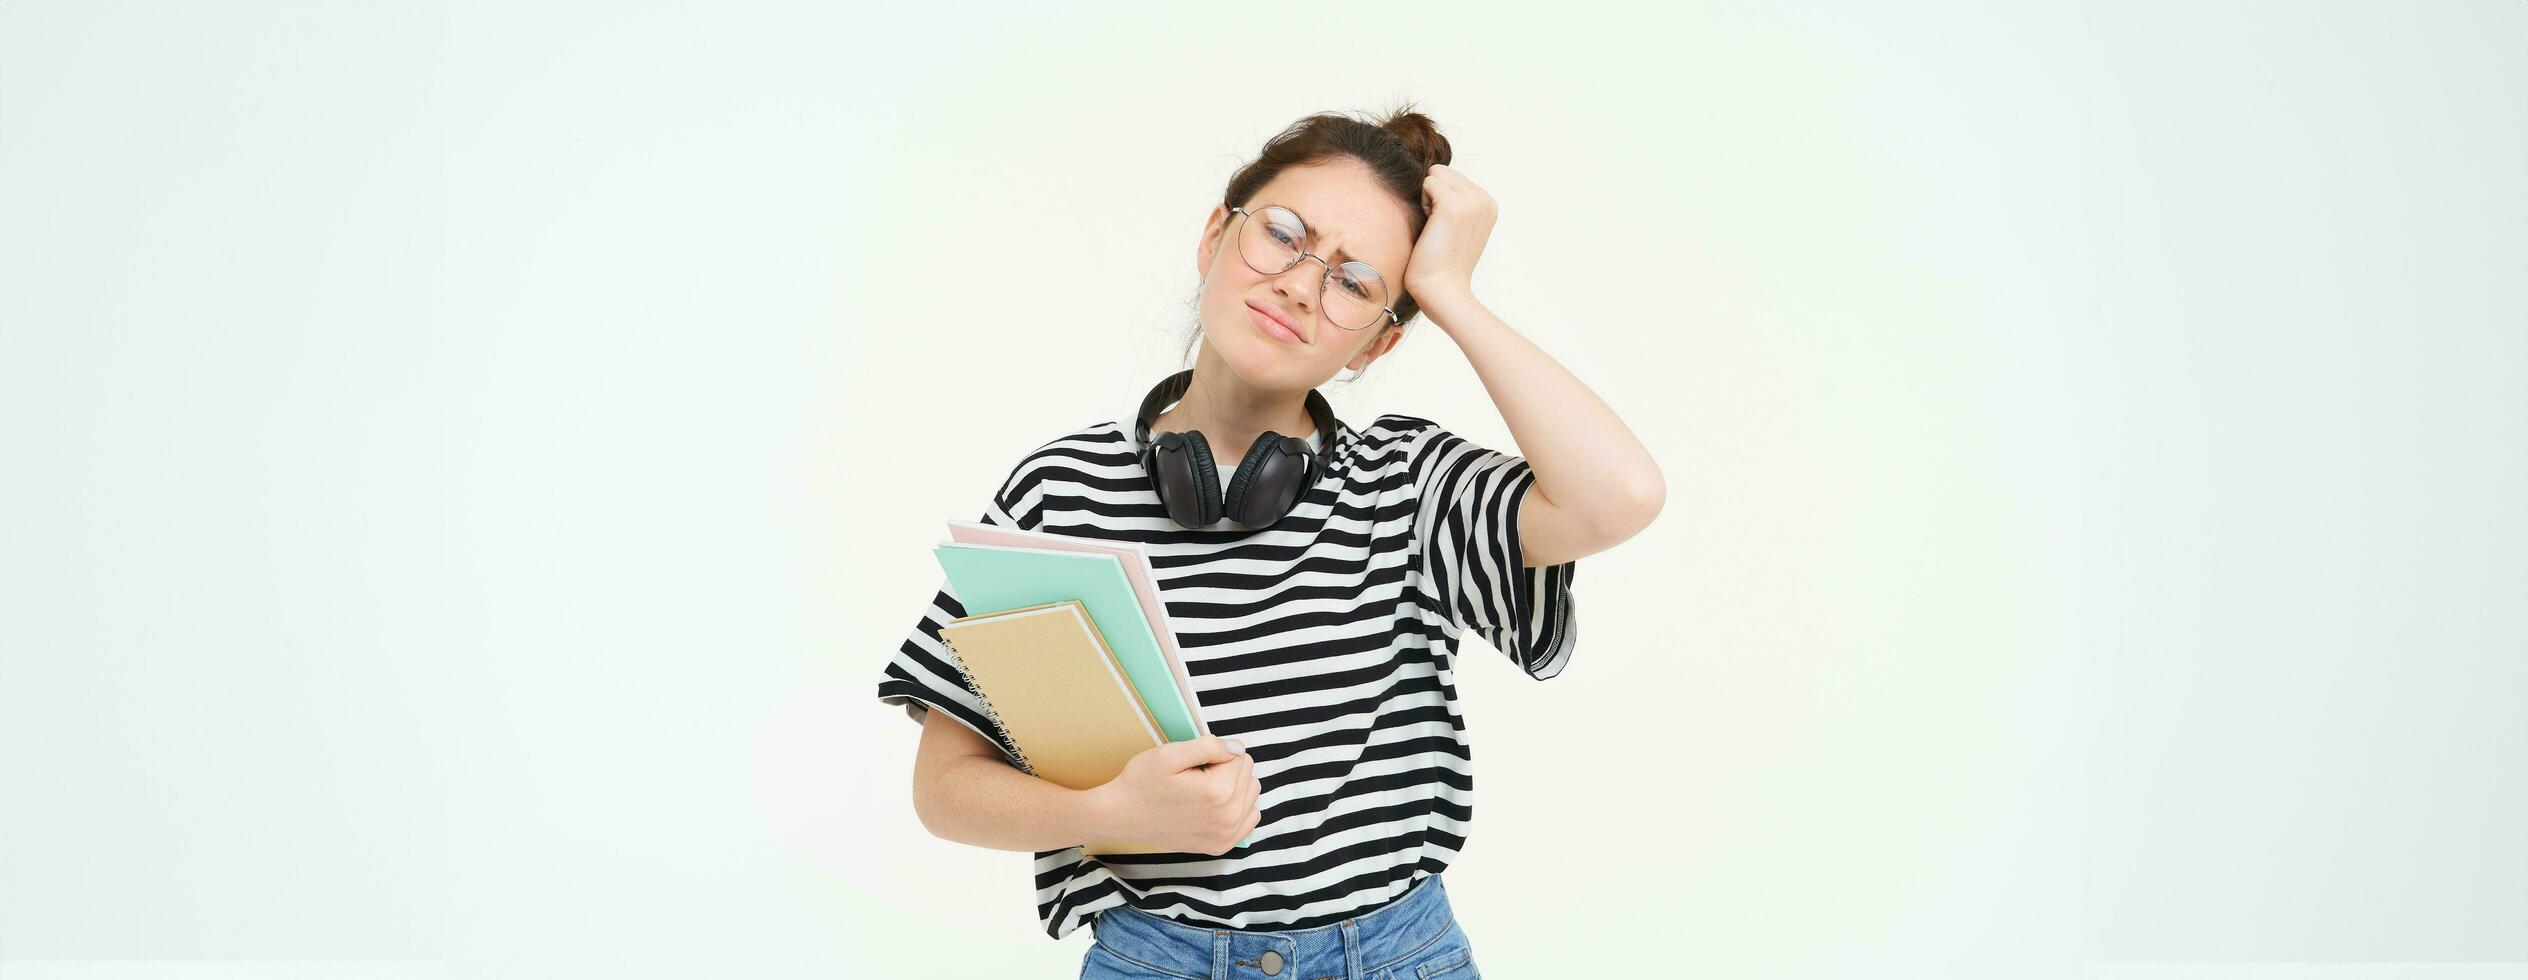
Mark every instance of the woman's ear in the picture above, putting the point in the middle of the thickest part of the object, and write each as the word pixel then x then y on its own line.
pixel 1210 245
pixel 1378 348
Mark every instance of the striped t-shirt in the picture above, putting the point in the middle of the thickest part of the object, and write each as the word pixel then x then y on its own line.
pixel 1326 643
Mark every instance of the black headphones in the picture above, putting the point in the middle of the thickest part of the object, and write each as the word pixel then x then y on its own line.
pixel 1277 469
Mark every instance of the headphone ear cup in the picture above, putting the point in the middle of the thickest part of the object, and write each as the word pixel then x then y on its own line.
pixel 1242 488
pixel 1303 472
pixel 1206 480
pixel 1276 473
pixel 1180 470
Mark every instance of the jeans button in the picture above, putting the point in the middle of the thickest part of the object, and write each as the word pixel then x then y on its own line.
pixel 1272 963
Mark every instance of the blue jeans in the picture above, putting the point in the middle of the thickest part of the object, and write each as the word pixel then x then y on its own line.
pixel 1414 937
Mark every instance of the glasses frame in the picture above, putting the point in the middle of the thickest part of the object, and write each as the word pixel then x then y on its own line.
pixel 1323 284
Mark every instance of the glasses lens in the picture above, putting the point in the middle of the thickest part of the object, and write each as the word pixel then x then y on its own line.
pixel 1271 240
pixel 1354 296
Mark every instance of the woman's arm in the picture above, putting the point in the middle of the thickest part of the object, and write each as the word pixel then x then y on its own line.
pixel 963 792
pixel 1586 461
pixel 1598 484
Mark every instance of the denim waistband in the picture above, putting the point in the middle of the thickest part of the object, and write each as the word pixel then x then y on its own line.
pixel 1354 947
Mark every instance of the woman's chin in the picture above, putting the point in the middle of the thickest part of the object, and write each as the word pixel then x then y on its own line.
pixel 1266 364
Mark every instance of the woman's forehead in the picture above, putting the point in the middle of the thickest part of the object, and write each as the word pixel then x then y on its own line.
pixel 1339 206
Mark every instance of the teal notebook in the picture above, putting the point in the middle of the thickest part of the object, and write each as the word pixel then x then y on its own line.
pixel 989 579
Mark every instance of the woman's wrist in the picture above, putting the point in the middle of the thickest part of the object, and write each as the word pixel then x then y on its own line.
pixel 1103 813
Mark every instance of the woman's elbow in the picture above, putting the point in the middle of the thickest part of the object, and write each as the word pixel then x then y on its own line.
pixel 927 807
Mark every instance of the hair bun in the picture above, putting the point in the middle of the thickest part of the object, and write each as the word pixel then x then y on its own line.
pixel 1420 136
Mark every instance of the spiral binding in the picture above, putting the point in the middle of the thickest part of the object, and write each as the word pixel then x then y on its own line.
pixel 1006 739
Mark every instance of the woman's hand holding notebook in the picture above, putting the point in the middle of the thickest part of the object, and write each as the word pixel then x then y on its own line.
pixel 1060 650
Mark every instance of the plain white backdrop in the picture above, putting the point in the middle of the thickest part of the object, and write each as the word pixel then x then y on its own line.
pixel 467 463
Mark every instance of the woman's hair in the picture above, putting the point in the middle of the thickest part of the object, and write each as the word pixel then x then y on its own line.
pixel 1398 149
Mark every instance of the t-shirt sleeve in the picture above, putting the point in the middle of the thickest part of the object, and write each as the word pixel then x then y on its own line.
pixel 1468 525
pixel 923 676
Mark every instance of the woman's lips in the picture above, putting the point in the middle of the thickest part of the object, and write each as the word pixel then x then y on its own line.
pixel 1271 327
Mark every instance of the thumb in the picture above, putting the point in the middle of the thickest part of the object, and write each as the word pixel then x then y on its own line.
pixel 1204 751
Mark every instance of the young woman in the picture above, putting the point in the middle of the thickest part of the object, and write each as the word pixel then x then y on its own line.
pixel 1318 578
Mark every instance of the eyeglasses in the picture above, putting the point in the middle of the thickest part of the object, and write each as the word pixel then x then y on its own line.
pixel 1353 295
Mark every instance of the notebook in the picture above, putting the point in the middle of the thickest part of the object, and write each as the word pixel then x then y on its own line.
pixel 1136 564
pixel 1003 577
pixel 1053 688
pixel 998 577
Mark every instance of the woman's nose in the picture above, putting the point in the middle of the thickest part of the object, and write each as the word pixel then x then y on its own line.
pixel 1300 283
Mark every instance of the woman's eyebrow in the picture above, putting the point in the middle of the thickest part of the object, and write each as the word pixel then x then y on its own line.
pixel 1316 233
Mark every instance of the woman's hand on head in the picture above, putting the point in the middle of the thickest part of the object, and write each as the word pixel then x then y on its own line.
pixel 1461 215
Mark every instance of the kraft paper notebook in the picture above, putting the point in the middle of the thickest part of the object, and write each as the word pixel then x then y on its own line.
pixel 1053 688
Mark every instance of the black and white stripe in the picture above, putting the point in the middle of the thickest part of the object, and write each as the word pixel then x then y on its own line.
pixel 1327 643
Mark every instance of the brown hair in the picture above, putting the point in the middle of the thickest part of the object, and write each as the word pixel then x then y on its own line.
pixel 1398 149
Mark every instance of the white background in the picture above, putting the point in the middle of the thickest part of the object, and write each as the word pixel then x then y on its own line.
pixel 466 465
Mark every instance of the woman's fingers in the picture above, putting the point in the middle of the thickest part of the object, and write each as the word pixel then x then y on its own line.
pixel 1238 773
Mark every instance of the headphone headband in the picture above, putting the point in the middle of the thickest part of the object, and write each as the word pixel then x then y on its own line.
pixel 1165 395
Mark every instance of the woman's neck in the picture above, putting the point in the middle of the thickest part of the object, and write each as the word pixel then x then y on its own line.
pixel 1232 414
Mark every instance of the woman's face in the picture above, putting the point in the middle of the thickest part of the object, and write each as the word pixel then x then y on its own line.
pixel 1349 218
